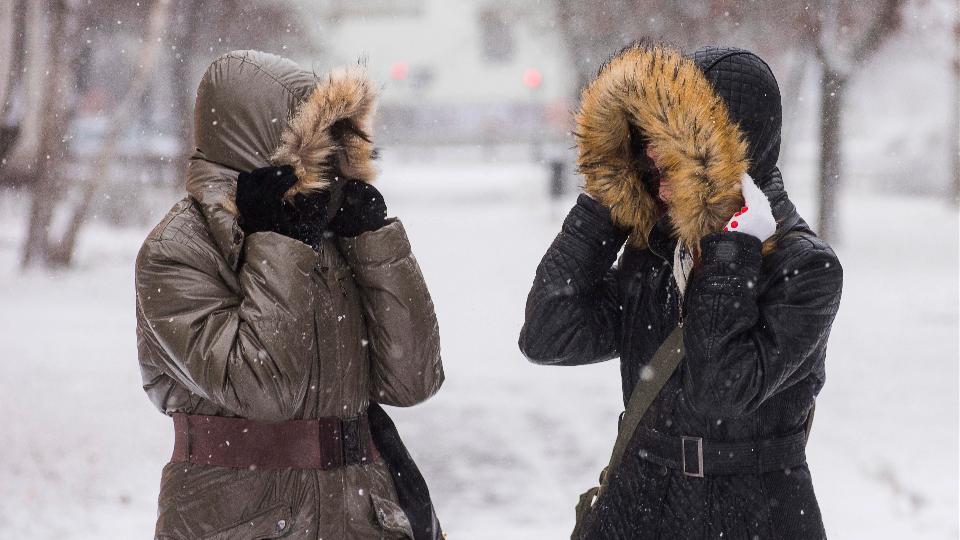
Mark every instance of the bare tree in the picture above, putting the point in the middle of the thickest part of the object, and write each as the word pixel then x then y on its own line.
pixel 120 119
pixel 269 25
pixel 29 75
pixel 955 138
pixel 199 35
pixel 52 150
pixel 186 42
pixel 12 48
pixel 841 50
pixel 593 32
pixel 8 20
pixel 49 64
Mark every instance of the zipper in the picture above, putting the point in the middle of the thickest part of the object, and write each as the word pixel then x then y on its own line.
pixel 319 273
pixel 335 317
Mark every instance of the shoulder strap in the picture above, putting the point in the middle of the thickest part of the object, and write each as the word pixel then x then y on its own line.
pixel 808 425
pixel 652 379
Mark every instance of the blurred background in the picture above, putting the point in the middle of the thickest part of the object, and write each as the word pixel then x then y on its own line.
pixel 96 113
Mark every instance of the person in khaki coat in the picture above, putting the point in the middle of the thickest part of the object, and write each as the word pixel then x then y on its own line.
pixel 275 303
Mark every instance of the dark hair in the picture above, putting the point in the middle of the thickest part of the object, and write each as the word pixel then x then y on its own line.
pixel 341 131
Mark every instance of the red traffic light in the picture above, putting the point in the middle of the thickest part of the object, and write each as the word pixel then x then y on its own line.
pixel 399 70
pixel 532 78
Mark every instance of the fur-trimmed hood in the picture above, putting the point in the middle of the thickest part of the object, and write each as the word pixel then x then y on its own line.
pixel 700 148
pixel 256 109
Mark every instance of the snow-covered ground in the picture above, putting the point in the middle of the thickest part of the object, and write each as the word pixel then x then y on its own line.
pixel 506 445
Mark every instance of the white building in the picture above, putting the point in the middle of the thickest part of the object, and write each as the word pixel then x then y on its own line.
pixel 456 70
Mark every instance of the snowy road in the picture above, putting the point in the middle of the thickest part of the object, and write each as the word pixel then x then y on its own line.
pixel 506 445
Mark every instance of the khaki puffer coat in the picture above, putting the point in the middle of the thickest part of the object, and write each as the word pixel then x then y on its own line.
pixel 264 327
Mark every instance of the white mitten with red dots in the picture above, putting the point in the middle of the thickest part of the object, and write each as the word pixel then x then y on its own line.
pixel 756 217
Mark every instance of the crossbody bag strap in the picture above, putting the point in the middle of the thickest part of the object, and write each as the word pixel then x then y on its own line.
pixel 653 377
pixel 808 425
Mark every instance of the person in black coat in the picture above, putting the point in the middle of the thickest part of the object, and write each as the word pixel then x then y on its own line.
pixel 679 156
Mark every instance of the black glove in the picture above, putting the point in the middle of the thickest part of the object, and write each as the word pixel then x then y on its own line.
pixel 362 209
pixel 260 197
pixel 306 218
pixel 262 207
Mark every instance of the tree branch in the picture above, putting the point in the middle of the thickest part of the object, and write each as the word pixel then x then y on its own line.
pixel 118 122
pixel 886 20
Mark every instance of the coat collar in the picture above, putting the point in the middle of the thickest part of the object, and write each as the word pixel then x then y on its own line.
pixel 214 188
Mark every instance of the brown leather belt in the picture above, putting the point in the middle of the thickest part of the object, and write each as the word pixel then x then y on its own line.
pixel 320 443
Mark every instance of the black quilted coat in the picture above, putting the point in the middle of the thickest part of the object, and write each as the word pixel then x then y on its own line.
pixel 756 320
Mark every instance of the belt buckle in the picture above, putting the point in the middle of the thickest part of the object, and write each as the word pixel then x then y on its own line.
pixel 683 455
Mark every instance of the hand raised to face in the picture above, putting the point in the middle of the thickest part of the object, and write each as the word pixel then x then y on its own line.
pixel 260 197
pixel 756 216
pixel 263 207
pixel 362 209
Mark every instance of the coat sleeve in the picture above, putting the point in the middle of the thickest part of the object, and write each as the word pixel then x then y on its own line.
pixel 573 308
pixel 742 347
pixel 404 338
pixel 248 351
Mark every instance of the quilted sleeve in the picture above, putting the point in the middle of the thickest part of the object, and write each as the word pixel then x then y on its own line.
pixel 743 346
pixel 573 308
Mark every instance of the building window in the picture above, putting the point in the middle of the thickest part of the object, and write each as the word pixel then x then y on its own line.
pixel 496 36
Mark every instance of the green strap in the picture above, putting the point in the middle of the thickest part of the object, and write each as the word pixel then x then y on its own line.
pixel 808 425
pixel 653 377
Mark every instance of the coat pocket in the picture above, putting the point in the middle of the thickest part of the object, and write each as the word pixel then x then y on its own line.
pixel 390 517
pixel 274 522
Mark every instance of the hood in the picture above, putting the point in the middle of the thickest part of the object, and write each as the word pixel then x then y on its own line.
pixel 256 109
pixel 700 146
pixel 749 90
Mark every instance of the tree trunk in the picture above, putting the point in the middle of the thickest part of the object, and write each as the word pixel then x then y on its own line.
pixel 796 73
pixel 11 75
pixel 955 135
pixel 37 57
pixel 53 146
pixel 832 86
pixel 123 115
pixel 567 17
pixel 8 52
pixel 184 93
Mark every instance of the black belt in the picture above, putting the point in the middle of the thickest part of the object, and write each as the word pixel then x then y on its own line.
pixel 698 457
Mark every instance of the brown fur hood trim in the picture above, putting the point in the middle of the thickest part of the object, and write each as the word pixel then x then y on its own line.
pixel 698 147
pixel 312 142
